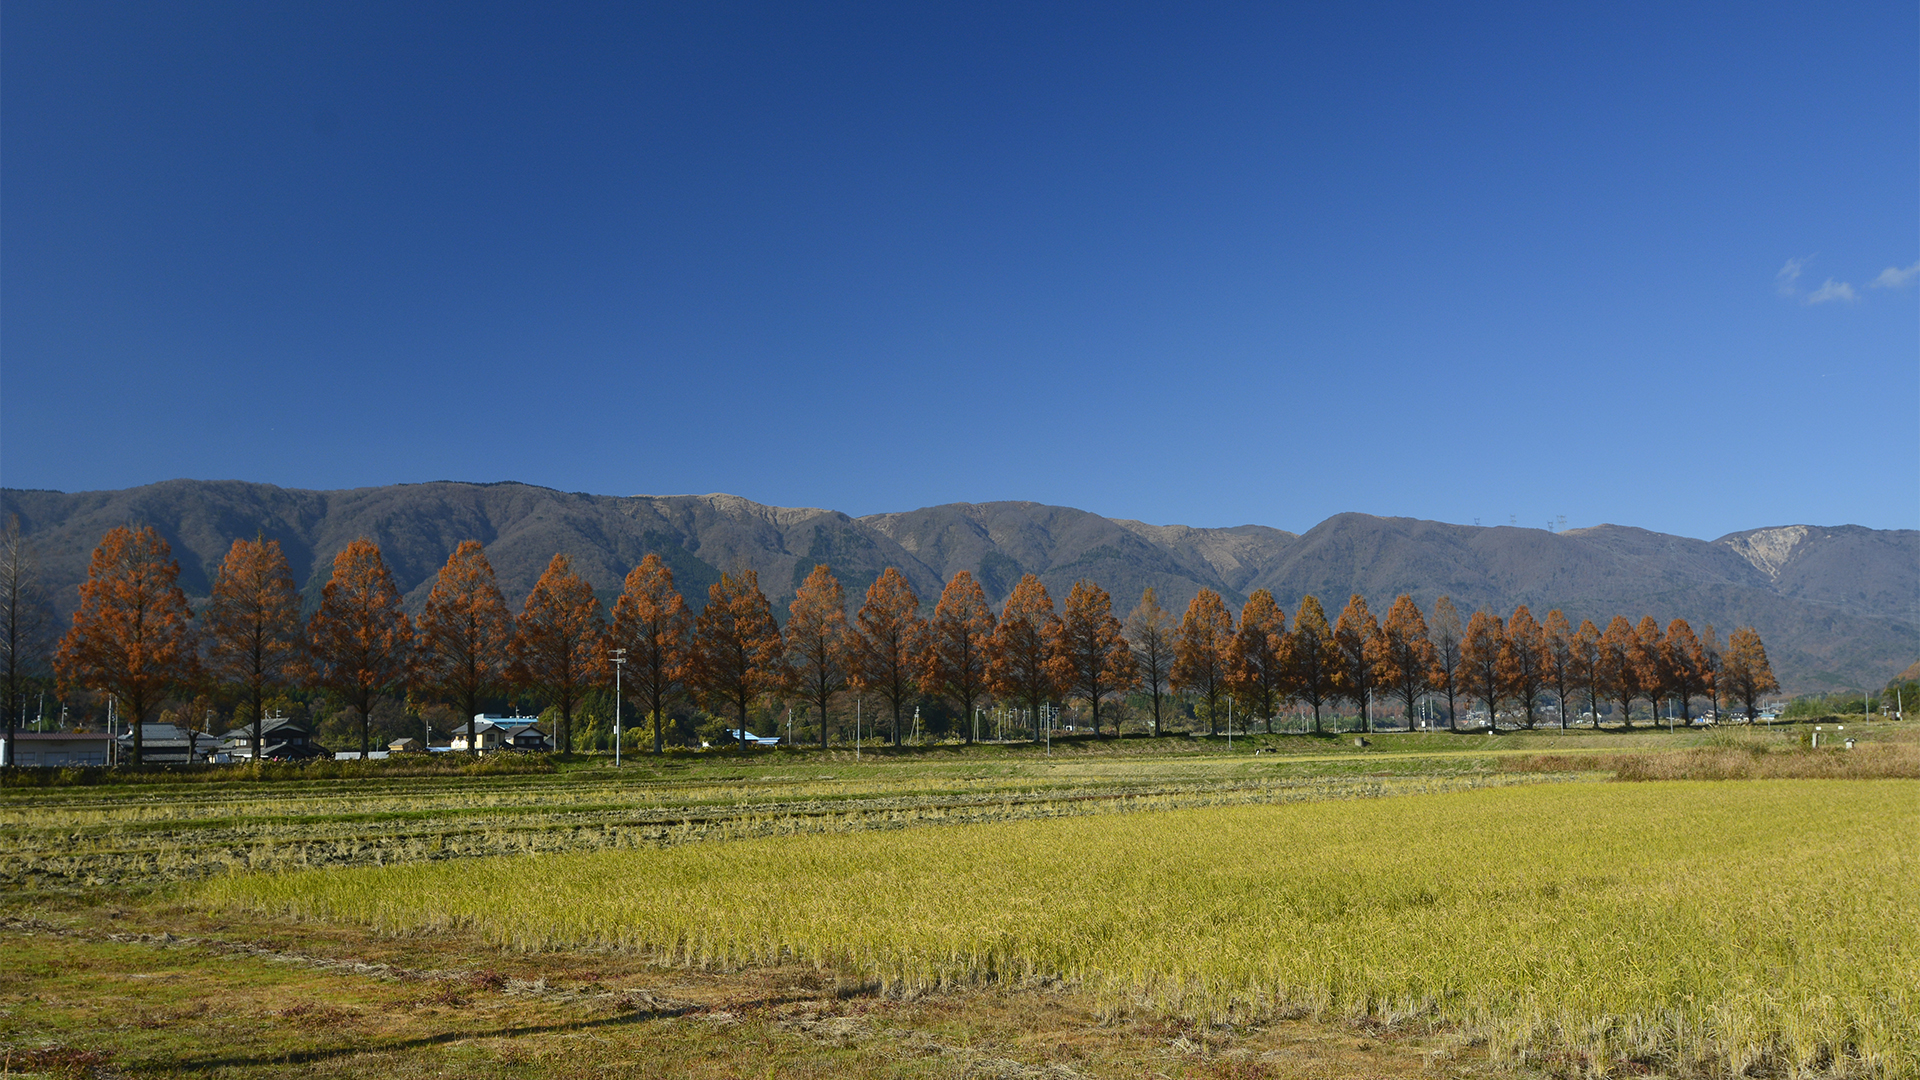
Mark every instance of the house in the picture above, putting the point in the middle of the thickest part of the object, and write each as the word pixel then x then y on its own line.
pixel 168 744
pixel 281 739
pixel 405 746
pixel 491 732
pixel 57 749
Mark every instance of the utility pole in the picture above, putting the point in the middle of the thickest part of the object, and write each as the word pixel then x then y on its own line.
pixel 619 664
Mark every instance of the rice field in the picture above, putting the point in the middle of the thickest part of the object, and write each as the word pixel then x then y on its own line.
pixel 1699 927
pixel 147 835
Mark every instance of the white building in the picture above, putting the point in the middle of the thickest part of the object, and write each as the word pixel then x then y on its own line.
pixel 492 732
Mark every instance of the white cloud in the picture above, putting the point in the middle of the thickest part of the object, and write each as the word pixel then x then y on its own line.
pixel 1790 273
pixel 1893 277
pixel 1832 290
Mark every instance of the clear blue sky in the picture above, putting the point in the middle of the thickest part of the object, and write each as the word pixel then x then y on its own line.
pixel 1194 263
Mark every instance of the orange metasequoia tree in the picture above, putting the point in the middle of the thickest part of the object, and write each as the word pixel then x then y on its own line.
pixel 1619 680
pixel 737 652
pixel 1404 657
pixel 959 640
pixel 1087 652
pixel 360 643
pixel 1018 667
pixel 1311 657
pixel 1649 666
pixel 465 634
pixel 1203 652
pixel 1259 671
pixel 1685 664
pixel 1480 651
pixel 253 623
pixel 888 641
pixel 131 638
pixel 1354 649
pixel 651 622
pixel 1150 630
pixel 1748 677
pixel 1523 661
pixel 1447 633
pixel 1588 667
pixel 1560 667
pixel 819 652
pixel 559 646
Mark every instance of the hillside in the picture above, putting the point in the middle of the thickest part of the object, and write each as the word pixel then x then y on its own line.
pixel 1837 606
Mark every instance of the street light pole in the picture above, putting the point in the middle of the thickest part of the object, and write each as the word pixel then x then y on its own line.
pixel 619 665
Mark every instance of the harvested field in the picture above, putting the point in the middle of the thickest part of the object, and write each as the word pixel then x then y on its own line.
pixel 91 837
pixel 1424 880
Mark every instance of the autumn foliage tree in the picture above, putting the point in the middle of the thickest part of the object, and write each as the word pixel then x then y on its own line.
pixel 959 641
pixel 1259 672
pixel 1480 653
pixel 888 642
pixel 1558 665
pixel 819 651
pixel 252 622
pixel 1018 665
pixel 1446 633
pixel 738 653
pixel 131 638
pixel 652 623
pixel 1312 658
pixel 1203 653
pixel 360 642
pixel 465 634
pixel 1685 664
pixel 1087 651
pixel 1354 635
pixel 1619 668
pixel 1403 662
pixel 1588 667
pixel 559 647
pixel 1650 665
pixel 1150 630
pixel 1523 661
pixel 1747 675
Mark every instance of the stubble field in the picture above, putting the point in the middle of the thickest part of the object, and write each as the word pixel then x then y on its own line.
pixel 1417 907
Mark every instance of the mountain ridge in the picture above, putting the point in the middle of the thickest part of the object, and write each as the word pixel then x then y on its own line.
pixel 1836 604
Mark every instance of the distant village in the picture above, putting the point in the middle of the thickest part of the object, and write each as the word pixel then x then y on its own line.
pixel 281 739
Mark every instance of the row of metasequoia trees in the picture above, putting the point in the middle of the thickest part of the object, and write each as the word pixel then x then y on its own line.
pixel 135 638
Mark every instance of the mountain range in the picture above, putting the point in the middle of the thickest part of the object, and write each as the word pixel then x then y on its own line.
pixel 1837 606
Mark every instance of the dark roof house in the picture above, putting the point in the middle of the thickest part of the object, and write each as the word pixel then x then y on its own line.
pixel 162 744
pixel 281 739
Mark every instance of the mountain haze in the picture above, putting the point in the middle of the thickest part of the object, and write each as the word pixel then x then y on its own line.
pixel 1836 605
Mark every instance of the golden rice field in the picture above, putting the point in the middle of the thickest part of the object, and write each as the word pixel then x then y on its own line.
pixel 1699 926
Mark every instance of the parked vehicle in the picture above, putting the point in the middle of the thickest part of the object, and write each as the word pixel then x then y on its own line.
pixel 748 738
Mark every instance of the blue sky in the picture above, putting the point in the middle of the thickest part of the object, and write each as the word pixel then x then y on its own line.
pixel 1208 264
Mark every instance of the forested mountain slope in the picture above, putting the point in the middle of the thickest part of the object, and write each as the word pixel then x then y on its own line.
pixel 1836 605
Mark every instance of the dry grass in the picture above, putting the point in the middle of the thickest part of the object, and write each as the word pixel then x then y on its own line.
pixel 1747 755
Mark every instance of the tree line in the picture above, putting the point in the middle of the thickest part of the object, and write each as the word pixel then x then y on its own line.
pixel 135 638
